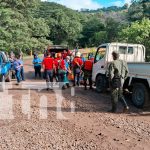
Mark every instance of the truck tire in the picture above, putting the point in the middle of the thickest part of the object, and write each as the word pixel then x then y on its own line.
pixel 140 95
pixel 2 84
pixel 100 84
pixel 8 79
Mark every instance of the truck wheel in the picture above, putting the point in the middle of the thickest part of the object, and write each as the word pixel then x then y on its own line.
pixel 2 84
pixel 8 79
pixel 140 95
pixel 100 83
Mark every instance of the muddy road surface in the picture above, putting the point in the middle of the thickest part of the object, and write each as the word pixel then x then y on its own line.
pixel 72 119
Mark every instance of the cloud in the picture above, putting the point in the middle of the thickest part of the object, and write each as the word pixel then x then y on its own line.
pixel 120 3
pixel 117 3
pixel 128 2
pixel 78 4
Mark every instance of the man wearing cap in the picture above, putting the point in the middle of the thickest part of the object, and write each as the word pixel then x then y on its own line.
pixel 77 65
pixel 117 73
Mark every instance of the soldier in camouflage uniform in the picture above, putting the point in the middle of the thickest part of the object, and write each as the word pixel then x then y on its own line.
pixel 117 73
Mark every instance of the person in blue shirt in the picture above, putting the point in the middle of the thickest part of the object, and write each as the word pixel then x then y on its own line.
pixel 17 68
pixel 67 64
pixel 37 65
pixel 22 68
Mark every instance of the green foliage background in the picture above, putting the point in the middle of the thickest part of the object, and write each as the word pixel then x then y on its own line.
pixel 32 24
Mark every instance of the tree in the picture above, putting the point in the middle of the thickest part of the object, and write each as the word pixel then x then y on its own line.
pixel 65 24
pixel 138 32
pixel 90 28
pixel 18 28
pixel 112 27
pixel 139 9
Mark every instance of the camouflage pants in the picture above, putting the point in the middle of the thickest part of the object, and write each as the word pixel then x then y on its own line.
pixel 116 95
pixel 87 76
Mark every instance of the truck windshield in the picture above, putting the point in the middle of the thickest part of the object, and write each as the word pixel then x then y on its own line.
pixel 100 53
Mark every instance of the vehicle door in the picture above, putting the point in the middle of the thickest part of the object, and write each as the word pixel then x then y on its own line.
pixel 99 62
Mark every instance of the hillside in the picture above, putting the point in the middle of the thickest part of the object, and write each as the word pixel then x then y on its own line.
pixel 34 25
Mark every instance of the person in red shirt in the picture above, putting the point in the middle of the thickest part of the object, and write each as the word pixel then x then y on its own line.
pixel 64 54
pixel 87 69
pixel 61 70
pixel 49 67
pixel 77 65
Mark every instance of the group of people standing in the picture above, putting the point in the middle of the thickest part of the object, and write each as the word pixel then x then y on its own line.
pixel 60 66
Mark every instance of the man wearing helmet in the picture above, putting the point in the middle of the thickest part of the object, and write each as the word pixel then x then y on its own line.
pixel 87 68
pixel 77 64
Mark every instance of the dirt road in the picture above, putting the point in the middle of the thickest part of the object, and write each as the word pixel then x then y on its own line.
pixel 90 127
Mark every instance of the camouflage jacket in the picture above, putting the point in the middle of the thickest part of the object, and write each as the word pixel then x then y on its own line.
pixel 118 68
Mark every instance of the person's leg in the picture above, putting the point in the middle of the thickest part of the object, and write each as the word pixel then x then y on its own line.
pixel 61 80
pixel 90 81
pixel 74 81
pixel 21 78
pixel 67 80
pixel 44 74
pixel 64 80
pixel 36 71
pixel 78 79
pixel 22 73
pixel 18 76
pixel 51 78
pixel 47 79
pixel 123 101
pixel 39 71
pixel 85 80
pixel 114 99
pixel 56 76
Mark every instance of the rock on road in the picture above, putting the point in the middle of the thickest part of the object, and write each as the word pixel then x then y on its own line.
pixel 90 127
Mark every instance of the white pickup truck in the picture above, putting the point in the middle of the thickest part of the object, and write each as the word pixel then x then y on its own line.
pixel 138 81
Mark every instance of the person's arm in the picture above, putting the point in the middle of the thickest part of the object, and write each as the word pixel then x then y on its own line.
pixel 111 71
pixel 69 70
pixel 126 71
pixel 34 62
pixel 43 64
pixel 80 63
pixel 21 63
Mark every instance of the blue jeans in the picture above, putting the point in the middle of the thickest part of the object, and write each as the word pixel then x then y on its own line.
pixel 49 78
pixel 61 77
pixel 22 73
pixel 18 75
pixel 76 76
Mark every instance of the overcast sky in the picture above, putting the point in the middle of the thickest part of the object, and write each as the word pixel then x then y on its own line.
pixel 90 4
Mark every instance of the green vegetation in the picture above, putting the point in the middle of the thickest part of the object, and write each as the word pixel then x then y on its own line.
pixel 18 28
pixel 31 24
